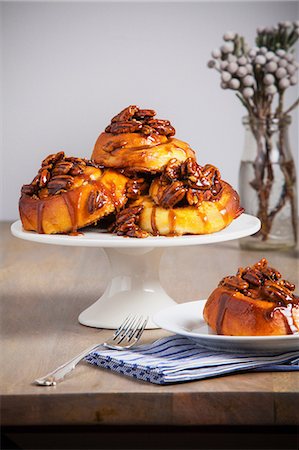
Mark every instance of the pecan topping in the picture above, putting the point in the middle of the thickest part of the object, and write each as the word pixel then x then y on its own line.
pixel 58 183
pixel 260 281
pixel 62 168
pixel 124 127
pixel 188 183
pixel 136 187
pixel 126 223
pixel 135 120
pixel 234 282
pixel 28 189
pixel 56 175
pixel 96 200
pixel 172 194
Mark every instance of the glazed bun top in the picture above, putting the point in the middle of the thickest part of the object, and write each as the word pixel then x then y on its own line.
pixel 59 173
pixel 138 142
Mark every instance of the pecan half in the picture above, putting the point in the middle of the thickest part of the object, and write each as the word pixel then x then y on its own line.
pixel 144 113
pixel 62 168
pixel 234 282
pixel 59 182
pixel 125 114
pixel 126 223
pixel 135 120
pixel 135 187
pixel 96 200
pixel 171 194
pixel 53 159
pixel 276 292
pixel 28 189
pixel 253 276
pixel 124 127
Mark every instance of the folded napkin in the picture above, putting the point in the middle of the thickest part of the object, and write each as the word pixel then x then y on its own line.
pixel 177 359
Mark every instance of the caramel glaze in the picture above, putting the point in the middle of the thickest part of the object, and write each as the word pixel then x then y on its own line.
pixel 286 312
pixel 72 201
pixel 40 208
pixel 154 221
pixel 222 310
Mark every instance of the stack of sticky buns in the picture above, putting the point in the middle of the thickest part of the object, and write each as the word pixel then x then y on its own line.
pixel 140 179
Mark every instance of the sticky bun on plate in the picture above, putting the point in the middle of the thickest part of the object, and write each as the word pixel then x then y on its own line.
pixel 140 176
pixel 254 302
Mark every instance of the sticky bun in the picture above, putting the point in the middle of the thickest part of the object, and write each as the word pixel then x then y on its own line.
pixel 254 302
pixel 136 141
pixel 69 193
pixel 185 199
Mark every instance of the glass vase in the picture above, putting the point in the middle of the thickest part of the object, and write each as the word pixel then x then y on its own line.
pixel 267 183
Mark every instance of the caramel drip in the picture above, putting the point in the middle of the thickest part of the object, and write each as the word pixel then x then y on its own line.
pixel 171 222
pixel 110 193
pixel 288 319
pixel 40 208
pixel 221 311
pixel 154 221
pixel 72 210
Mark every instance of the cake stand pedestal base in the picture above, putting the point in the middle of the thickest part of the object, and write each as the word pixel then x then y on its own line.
pixel 134 288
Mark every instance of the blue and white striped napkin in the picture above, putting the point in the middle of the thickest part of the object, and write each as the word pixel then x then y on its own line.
pixel 177 359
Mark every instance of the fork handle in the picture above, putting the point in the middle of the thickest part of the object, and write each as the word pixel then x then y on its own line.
pixel 58 374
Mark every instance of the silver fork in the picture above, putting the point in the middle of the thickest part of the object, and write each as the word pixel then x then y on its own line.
pixel 126 335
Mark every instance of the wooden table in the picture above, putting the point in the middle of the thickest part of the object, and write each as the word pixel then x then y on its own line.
pixel 44 288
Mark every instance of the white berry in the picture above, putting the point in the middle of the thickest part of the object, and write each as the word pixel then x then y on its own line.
pixel 280 52
pixel 223 65
pixel 293 80
pixel 270 55
pixel 260 59
pixel 229 36
pixel 271 90
pixel 271 66
pixel 291 69
pixel 284 83
pixel 226 76
pixel 248 80
pixel 242 60
pixel 231 58
pixel 280 73
pixel 216 53
pixel 269 79
pixel 232 67
pixel 228 47
pixel 248 92
pixel 234 83
pixel 242 72
pixel 282 63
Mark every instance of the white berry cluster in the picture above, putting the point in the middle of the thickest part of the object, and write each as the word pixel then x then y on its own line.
pixel 260 72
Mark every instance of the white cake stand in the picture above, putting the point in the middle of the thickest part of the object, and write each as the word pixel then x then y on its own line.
pixel 134 286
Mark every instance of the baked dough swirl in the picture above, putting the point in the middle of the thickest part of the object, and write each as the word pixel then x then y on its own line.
pixel 138 142
pixel 254 302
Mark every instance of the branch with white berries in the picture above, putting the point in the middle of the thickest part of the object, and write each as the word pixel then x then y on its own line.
pixel 262 73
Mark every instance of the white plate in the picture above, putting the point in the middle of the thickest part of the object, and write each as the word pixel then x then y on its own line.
pixel 187 320
pixel 244 225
